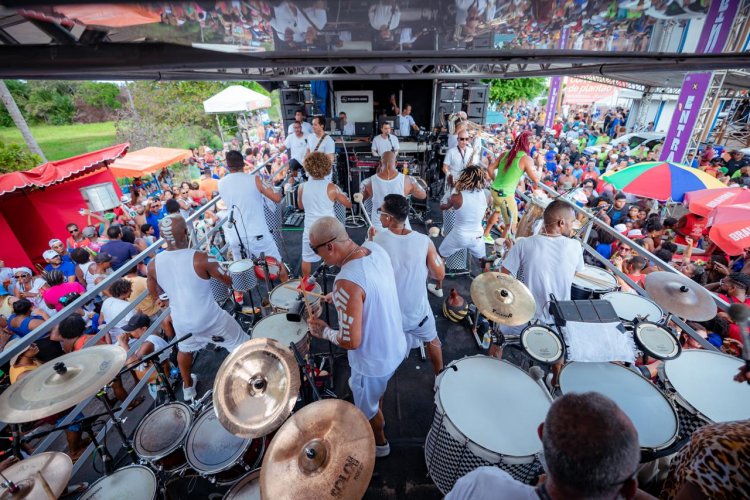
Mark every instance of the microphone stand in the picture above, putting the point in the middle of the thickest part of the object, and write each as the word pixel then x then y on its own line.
pixel 233 222
pixel 160 372
pixel 307 371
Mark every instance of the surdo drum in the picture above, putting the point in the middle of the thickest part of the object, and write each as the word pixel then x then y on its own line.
pixel 247 488
pixel 632 308
pixel 160 435
pixel 282 297
pixel 583 289
pixel 485 424
pixel 277 327
pixel 134 481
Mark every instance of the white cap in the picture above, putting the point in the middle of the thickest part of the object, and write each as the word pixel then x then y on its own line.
pixel 50 254
pixel 54 241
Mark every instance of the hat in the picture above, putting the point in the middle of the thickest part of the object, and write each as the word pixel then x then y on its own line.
pixel 50 254
pixel 88 232
pixel 621 228
pixel 24 270
pixel 102 257
pixel 634 233
pixel 125 198
pixel 549 156
pixel 136 321
pixel 54 241
pixel 12 344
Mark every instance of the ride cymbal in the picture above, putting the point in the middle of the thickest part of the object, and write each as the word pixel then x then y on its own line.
pixel 502 299
pixel 327 449
pixel 681 296
pixel 256 388
pixel 41 476
pixel 61 383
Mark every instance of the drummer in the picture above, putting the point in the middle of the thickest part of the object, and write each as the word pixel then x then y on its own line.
pixel 546 263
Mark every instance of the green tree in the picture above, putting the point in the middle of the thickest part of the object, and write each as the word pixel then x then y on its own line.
pixel 99 95
pixel 51 102
pixel 20 92
pixel 14 158
pixel 505 91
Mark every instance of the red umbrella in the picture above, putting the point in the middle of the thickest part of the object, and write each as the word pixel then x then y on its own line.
pixel 730 228
pixel 703 201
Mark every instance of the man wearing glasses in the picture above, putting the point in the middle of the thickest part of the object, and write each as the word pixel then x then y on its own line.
pixel 456 159
pixel 370 328
pixel 155 214
pixel 76 238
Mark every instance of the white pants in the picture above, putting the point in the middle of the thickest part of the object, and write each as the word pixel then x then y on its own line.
pixel 255 245
pixel 367 392
pixel 456 241
pixel 225 327
pixel 425 333
pixel 307 253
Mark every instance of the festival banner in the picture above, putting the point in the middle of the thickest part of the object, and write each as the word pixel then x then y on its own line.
pixel 713 38
pixel 584 92
pixel 554 87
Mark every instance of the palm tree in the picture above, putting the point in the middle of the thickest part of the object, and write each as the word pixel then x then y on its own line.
pixel 19 120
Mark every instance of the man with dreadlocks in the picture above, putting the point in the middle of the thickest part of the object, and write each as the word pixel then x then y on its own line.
pixel 183 274
pixel 470 204
pixel 507 171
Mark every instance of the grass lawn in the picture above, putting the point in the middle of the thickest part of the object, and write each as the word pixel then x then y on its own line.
pixel 64 141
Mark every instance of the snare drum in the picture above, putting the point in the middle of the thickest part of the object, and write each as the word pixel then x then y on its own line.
pixel 219 290
pixel 243 275
pixel 277 327
pixel 584 289
pixel 656 341
pixel 212 451
pixel 542 344
pixel 652 414
pixel 160 435
pixel 282 297
pixel 631 308
pixel 134 481
pixel 464 433
pixel 247 488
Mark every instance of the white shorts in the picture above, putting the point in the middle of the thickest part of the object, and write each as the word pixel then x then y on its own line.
pixel 225 326
pixel 367 392
pixel 255 247
pixel 425 333
pixel 457 241
pixel 307 253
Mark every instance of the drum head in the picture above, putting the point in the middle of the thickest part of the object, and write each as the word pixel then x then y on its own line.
pixel 209 447
pixel 241 266
pixel 479 406
pixel 705 380
pixel 542 344
pixel 651 413
pixel 600 275
pixel 133 481
pixel 247 488
pixel 656 341
pixel 282 297
pixel 631 307
pixel 162 431
pixel 277 327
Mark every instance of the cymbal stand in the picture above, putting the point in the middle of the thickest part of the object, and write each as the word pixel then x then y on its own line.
pixel 308 372
pixel 117 423
pixel 100 448
pixel 15 430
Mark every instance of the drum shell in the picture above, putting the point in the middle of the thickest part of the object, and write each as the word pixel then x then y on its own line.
pixel 460 259
pixel 533 213
pixel 302 345
pixel 172 457
pixel 617 298
pixel 280 295
pixel 592 291
pixel 219 290
pixel 239 489
pixel 245 279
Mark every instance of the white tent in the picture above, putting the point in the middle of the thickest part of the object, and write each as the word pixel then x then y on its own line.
pixel 236 99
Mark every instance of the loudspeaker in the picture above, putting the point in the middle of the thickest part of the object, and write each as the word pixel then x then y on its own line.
pixel 451 94
pixel 291 97
pixel 476 109
pixel 476 94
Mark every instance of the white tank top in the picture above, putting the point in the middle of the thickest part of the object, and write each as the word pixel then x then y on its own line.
pixel 316 201
pixel 383 346
pixel 408 255
pixel 239 190
pixel 469 217
pixel 382 188
pixel 190 298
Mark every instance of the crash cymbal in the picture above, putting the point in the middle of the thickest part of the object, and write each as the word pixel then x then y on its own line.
pixel 680 295
pixel 42 476
pixel 256 388
pixel 61 383
pixel 502 299
pixel 327 449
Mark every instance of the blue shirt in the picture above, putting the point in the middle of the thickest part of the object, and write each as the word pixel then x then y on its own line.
pixel 605 250
pixel 577 172
pixel 154 219
pixel 121 252
pixel 67 267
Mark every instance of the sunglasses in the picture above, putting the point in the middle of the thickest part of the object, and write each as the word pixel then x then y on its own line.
pixel 21 276
pixel 380 213
pixel 73 231
pixel 316 247
pixel 463 138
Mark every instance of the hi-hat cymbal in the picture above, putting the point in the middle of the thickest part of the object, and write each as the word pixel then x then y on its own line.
pixel 256 388
pixel 502 299
pixel 40 476
pixel 681 296
pixel 61 383
pixel 325 449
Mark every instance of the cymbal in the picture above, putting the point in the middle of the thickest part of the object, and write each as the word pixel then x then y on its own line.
pixel 681 296
pixel 41 476
pixel 256 388
pixel 61 383
pixel 502 299
pixel 325 449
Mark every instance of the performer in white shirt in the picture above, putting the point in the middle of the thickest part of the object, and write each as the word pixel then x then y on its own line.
pixel 316 197
pixel 346 127
pixel 366 300
pixel 406 122
pixel 319 141
pixel 385 141
pixel 384 17
pixel 414 258
pixel 456 159
pixel 299 117
pixel 243 194
pixel 297 146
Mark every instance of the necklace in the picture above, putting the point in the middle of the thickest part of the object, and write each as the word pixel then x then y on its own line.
pixel 346 259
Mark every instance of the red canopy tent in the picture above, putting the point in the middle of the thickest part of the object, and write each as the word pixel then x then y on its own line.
pixel 36 205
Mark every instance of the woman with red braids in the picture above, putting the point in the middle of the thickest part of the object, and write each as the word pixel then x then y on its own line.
pixel 507 171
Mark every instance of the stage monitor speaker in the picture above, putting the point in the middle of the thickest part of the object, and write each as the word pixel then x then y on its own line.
pixel 476 109
pixel 476 94
pixel 291 97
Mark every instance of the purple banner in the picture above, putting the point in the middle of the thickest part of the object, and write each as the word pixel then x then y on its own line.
pixel 554 86
pixel 713 37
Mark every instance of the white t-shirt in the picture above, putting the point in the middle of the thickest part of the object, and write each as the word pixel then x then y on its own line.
pixel 545 264
pixel 384 15
pixel 404 125
pixel 382 144
pixel 111 307
pixel 348 129
pixel 490 483
pixel 456 161
pixel 327 145
pixel 239 189
pixel 306 128
pixel 297 147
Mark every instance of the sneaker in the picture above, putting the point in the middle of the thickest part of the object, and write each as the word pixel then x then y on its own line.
pixel 382 450
pixel 489 240
pixel 189 393
pixel 434 290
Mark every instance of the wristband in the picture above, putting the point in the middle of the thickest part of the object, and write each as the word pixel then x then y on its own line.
pixel 331 335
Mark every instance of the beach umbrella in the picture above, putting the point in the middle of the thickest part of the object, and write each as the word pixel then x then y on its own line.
pixel 661 180
pixel 703 201
pixel 729 228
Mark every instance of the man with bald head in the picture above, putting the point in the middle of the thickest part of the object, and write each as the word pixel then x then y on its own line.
pixel 387 180
pixel 370 328
pixel 183 274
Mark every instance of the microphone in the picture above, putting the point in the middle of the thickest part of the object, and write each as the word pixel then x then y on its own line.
pixel 538 375
pixel 740 313
pixel 294 313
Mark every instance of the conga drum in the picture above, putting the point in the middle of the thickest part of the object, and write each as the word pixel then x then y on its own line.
pixel 533 213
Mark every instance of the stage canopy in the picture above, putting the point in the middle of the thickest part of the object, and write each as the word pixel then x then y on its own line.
pixel 53 172
pixel 147 160
pixel 236 99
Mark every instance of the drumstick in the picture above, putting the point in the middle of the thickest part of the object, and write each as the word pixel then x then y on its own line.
pixel 305 291
pixel 593 279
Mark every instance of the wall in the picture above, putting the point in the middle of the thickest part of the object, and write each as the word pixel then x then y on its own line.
pixel 12 252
